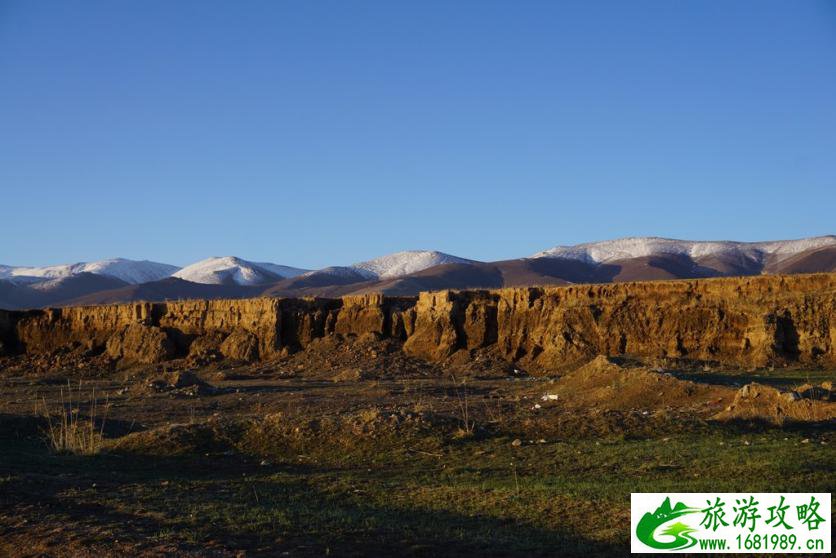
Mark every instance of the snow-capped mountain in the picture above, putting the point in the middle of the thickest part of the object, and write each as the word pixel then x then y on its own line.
pixel 229 270
pixel 390 266
pixel 410 272
pixel 637 247
pixel 130 271
pixel 281 270
pixel 404 263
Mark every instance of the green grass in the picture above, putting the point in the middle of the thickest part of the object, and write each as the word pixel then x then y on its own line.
pixel 481 496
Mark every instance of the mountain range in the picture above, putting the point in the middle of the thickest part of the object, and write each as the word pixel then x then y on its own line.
pixel 409 272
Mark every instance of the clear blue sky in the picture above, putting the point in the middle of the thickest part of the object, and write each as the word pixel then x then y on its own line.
pixel 312 133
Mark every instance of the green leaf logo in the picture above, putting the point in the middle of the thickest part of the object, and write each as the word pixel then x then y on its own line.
pixel 680 532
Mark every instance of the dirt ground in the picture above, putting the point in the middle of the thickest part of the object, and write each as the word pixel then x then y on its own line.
pixel 353 448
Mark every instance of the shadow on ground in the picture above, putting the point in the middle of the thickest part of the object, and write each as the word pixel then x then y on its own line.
pixel 220 505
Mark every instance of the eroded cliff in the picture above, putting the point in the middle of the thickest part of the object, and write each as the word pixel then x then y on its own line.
pixel 751 321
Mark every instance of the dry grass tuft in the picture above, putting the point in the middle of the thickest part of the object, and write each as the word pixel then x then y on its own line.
pixel 67 430
pixel 467 424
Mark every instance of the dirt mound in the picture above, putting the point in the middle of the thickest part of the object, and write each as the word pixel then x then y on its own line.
pixel 603 384
pixel 359 434
pixel 759 402
pixel 288 435
pixel 597 367
pixel 178 439
pixel 368 422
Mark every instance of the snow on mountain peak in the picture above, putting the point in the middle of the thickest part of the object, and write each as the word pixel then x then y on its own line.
pixel 233 270
pixel 130 271
pixel 636 247
pixel 281 270
pixel 404 263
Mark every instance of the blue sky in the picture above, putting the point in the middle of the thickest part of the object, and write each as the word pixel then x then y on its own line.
pixel 314 133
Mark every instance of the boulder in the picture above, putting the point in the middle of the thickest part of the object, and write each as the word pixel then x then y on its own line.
pixel 140 344
pixel 206 348
pixel 240 345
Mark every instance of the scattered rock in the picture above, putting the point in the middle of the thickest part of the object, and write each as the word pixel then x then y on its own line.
pixel 820 393
pixel 185 378
pixel 184 382
pixel 350 375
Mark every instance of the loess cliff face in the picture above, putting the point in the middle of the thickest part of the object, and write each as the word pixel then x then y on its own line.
pixel 751 321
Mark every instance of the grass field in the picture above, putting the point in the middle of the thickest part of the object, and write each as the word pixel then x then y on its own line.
pixel 475 495
pixel 287 481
